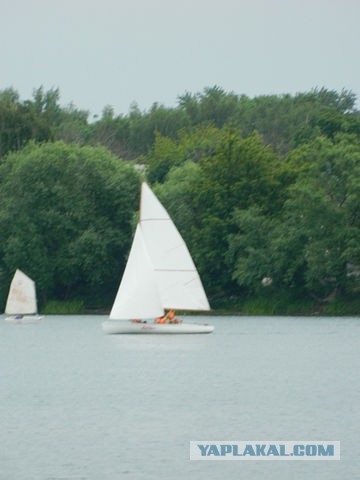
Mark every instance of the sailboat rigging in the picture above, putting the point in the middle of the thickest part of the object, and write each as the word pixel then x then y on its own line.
pixel 159 275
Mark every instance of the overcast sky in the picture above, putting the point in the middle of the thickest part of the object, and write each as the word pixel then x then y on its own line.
pixel 116 52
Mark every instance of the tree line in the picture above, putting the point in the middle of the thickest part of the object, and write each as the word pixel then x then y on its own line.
pixel 264 190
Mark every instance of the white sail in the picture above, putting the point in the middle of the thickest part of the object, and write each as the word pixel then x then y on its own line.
pixel 138 296
pixel 159 272
pixel 177 279
pixel 22 295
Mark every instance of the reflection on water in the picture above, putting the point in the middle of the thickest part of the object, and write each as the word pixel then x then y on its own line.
pixel 79 404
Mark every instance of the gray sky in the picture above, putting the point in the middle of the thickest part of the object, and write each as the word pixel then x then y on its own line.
pixel 115 52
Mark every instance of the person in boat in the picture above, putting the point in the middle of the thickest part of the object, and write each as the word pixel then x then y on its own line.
pixel 168 318
pixel 160 320
pixel 171 317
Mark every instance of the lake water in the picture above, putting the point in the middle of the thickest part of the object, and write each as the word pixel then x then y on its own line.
pixel 79 404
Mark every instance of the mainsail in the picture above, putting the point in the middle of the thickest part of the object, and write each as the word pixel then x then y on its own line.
pixel 22 295
pixel 178 281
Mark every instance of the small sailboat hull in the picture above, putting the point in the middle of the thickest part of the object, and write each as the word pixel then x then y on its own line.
pixel 125 327
pixel 24 320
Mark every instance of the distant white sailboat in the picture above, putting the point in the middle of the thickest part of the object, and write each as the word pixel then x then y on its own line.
pixel 160 274
pixel 21 305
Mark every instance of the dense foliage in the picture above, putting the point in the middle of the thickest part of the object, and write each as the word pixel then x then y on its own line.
pixel 66 219
pixel 266 192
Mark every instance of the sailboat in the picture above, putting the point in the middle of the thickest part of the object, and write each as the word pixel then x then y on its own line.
pixel 159 275
pixel 21 303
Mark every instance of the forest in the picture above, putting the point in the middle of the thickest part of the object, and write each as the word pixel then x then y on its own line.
pixel 264 190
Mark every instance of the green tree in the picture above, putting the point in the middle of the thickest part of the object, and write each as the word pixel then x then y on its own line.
pixel 143 126
pixel 213 106
pixel 73 126
pixel 249 254
pixel 19 123
pixel 325 206
pixel 242 173
pixel 311 245
pixel 167 153
pixel 66 219
pixel 22 121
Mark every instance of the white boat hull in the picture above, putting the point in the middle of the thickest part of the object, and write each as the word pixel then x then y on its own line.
pixel 124 327
pixel 24 320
